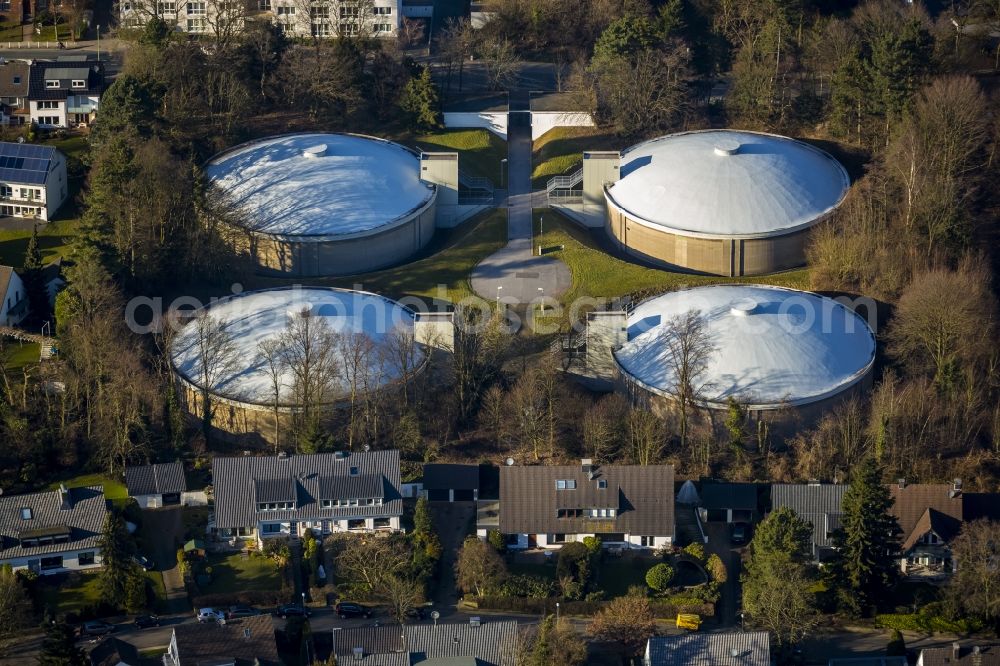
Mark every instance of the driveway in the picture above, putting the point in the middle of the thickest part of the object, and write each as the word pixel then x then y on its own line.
pixel 719 544
pixel 452 522
pixel 162 530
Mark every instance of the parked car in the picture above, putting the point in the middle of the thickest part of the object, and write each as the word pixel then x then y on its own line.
pixel 346 610
pixel 739 533
pixel 211 615
pixel 418 613
pixel 95 628
pixel 292 610
pixel 144 562
pixel 146 621
pixel 241 611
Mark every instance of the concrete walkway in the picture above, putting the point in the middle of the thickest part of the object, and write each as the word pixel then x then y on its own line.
pixel 515 268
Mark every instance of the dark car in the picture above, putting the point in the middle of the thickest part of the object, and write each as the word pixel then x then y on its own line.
pixel 346 610
pixel 146 621
pixel 418 613
pixel 292 610
pixel 96 628
pixel 144 562
pixel 241 611
pixel 739 533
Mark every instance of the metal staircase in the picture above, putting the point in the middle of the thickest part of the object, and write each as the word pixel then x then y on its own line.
pixel 565 189
pixel 474 190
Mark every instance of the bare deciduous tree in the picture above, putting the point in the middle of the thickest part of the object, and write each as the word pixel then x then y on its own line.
pixel 689 350
pixel 271 362
pixel 309 351
pixel 216 358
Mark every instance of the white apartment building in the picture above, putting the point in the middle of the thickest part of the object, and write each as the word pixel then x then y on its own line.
pixel 33 180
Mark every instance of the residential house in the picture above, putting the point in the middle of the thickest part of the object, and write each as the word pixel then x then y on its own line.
pixel 868 661
pixel 451 483
pixel 728 502
pixel 32 180
pixel 480 643
pixel 247 641
pixel 744 648
pixel 65 92
pixel 930 516
pixel 629 506
pixel 54 531
pixel 14 307
pixel 14 75
pixel 273 496
pixel 115 652
pixel 957 655
pixel 154 486
pixel 53 279
pixel 818 503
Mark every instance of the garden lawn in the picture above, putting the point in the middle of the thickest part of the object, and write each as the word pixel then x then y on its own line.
pixel 617 574
pixel 71 146
pixel 113 490
pixel 560 151
pixel 448 264
pixel 479 151
pixel 11 32
pixel 232 574
pixel 72 593
pixel 53 240
pixel 21 354
pixel 599 275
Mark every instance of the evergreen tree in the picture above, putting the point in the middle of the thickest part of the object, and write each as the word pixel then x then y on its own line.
pixel 117 574
pixel 420 100
pixel 34 281
pixel 59 645
pixel 866 564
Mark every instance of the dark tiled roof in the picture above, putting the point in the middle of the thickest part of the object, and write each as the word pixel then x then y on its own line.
pixel 729 496
pixel 451 477
pixel 84 518
pixel 249 640
pixel 642 494
pixel 240 482
pixel 114 651
pixel 155 479
pixel 14 78
pixel 818 503
pixel 988 655
pixel 5 273
pixel 752 648
pixel 25 162
pixel 920 507
pixel 493 643
pixel 65 73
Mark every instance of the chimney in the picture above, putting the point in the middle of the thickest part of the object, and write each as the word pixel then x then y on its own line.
pixel 901 483
pixel 813 482
pixel 282 454
pixel 956 651
pixel 65 500
pixel 956 488
pixel 587 465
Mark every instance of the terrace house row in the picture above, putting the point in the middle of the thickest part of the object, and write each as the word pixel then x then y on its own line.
pixel 297 18
pixel 284 495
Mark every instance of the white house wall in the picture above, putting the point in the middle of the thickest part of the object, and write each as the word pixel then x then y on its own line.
pixel 71 561
pixel 543 121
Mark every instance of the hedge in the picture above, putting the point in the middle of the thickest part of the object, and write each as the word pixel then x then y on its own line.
pixel 660 609
pixel 927 623
pixel 248 597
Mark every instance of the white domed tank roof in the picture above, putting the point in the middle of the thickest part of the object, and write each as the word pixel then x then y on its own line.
pixel 721 183
pixel 253 317
pixel 321 185
pixel 771 346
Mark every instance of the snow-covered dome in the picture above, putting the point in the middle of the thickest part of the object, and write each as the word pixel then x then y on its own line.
pixel 770 346
pixel 321 185
pixel 253 317
pixel 721 183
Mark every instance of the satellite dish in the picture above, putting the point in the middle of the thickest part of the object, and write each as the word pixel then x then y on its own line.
pixel 367 448
pixel 510 461
pixel 20 139
pixel 435 615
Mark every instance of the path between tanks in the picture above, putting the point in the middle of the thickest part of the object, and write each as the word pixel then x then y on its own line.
pixel 514 267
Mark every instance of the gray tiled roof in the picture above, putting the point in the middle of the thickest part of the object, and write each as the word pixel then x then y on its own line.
pixel 493 643
pixel 987 655
pixel 85 519
pixel 819 503
pixel 155 479
pixel 246 641
pixel 444 476
pixel 642 494
pixel 751 648
pixel 729 495
pixel 240 483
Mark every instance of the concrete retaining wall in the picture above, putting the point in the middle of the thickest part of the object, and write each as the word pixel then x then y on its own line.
pixel 494 121
pixel 543 121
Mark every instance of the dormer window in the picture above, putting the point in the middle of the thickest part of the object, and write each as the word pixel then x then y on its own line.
pixel 603 483
pixel 79 83
pixel 51 83
pixel 17 80
pixel 26 513
pixel 354 471
pixel 565 484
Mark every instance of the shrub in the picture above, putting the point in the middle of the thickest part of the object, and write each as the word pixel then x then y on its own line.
pixel 717 569
pixel 659 576
pixel 927 622
pixel 593 544
pixel 497 540
pixel 661 608
pixel 696 550
pixel 897 646
pixel 531 587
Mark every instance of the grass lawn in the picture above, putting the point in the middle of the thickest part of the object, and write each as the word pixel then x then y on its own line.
pixel 158 599
pixel 448 264
pixel 545 570
pixel 480 151
pixel 599 275
pixel 233 573
pixel 620 573
pixel 21 354
pixel 113 489
pixel 11 32
pixel 53 240
pixel 71 594
pixel 72 146
pixel 560 151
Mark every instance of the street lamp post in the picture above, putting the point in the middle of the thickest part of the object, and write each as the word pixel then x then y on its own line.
pixel 98 42
pixel 499 287
pixel 541 295
pixel 503 170
pixel 557 613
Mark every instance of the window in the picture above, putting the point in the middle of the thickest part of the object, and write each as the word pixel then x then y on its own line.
pixel 565 484
pixel 271 528
pixel 354 471
pixel 348 28
pixel 569 513
pixel 6 191
pixel 48 104
pixel 196 9
pixel 286 11
pixel 382 11
pixel 326 504
pixel 647 541
pixel 17 79
pixel 264 5
pixel 383 27
pixel 319 12
pixel 26 513
pixel 166 7
pixel 320 29
pixel 79 83
pixel 349 12
pixel 557 538
pixel 86 559
pixel 602 483
pixel 196 25
pixel 356 524
pixel 54 562
pixel 51 83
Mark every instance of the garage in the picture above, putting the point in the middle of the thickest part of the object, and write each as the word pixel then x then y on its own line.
pixel 156 486
pixel 446 482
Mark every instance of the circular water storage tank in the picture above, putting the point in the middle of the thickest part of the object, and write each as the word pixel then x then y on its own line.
pixel 722 202
pixel 785 355
pixel 324 204
pixel 373 350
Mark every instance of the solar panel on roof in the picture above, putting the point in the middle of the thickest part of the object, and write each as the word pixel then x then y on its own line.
pixel 24 162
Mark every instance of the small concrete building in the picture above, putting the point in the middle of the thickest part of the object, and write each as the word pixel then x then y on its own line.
pixel 155 486
pixel 728 502
pixel 33 180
